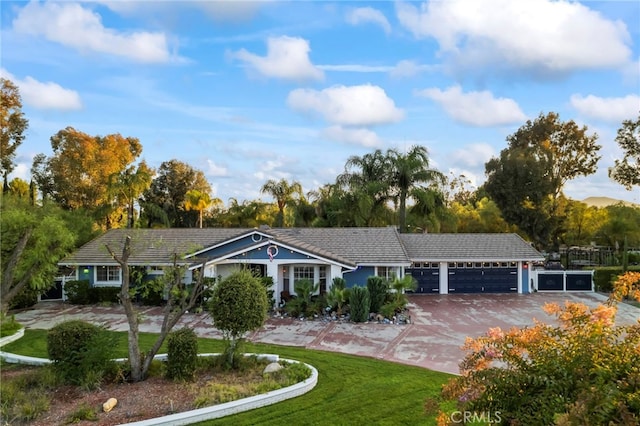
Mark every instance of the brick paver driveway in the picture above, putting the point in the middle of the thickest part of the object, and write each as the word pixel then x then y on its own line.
pixel 439 326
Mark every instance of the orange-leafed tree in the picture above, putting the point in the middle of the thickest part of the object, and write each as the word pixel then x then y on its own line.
pixel 82 167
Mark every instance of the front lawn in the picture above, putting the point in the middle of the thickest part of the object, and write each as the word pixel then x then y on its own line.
pixel 351 390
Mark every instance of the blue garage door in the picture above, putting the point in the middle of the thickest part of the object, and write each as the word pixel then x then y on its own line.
pixel 427 275
pixel 483 277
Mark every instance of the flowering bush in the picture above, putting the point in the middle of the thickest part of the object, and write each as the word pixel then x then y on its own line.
pixel 584 370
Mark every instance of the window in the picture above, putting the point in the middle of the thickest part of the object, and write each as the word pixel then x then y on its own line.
pixel 303 273
pixel 108 274
pixel 388 272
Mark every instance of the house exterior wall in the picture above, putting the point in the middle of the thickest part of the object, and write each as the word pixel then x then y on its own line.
pixel 359 276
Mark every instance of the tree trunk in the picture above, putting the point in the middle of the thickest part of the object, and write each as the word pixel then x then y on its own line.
pixel 402 213
pixel 8 289
pixel 135 357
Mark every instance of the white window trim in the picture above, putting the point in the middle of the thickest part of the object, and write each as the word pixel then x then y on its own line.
pixel 113 283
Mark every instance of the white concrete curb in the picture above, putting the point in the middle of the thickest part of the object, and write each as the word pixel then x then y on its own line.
pixel 215 411
pixel 15 336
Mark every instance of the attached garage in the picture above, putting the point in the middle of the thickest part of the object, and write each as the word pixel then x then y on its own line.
pixel 470 263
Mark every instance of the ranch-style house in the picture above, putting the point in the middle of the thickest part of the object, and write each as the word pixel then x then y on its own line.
pixel 440 263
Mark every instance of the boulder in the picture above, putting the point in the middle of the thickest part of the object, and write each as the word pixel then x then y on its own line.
pixel 272 368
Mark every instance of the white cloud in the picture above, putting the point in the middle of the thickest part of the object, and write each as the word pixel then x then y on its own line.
pixel 480 109
pixel 216 170
pixel 545 37
pixel 363 105
pixel 356 68
pixel 368 14
pixel 287 58
pixel 408 68
pixel 474 155
pixel 613 110
pixel 353 136
pixel 72 25
pixel 47 95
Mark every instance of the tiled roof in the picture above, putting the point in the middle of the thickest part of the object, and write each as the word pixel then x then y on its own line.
pixel 150 246
pixel 468 247
pixel 348 246
pixel 361 245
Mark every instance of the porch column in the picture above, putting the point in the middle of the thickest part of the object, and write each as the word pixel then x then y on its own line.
pixel 334 272
pixel 272 271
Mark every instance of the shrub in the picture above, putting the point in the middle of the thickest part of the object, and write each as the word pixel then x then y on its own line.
pixel 359 302
pixel 182 354
pixel 26 298
pixel 378 289
pixel 82 353
pixel 104 294
pixel 301 304
pixel 77 292
pixel 267 282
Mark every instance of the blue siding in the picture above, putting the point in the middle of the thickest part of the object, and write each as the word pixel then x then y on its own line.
pixel 261 254
pixel 231 246
pixel 86 273
pixel 359 276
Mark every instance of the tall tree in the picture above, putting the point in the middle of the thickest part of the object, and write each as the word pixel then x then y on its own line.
pixel 199 201
pixel 128 185
pixel 13 125
pixel 627 171
pixel 33 241
pixel 81 169
pixel 284 194
pixel 168 190
pixel 526 181
pixel 409 171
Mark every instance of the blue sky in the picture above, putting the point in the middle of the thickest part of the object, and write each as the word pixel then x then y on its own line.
pixel 251 91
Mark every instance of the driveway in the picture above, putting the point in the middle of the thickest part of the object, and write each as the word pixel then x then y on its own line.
pixel 439 326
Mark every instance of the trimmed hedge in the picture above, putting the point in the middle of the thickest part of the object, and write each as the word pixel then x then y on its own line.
pixel 604 277
pixel 81 293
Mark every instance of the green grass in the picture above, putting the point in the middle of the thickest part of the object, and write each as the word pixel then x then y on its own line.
pixel 351 390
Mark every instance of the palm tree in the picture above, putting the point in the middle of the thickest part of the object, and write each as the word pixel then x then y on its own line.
pixel 129 185
pixel 367 180
pixel 283 194
pixel 197 200
pixel 408 171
